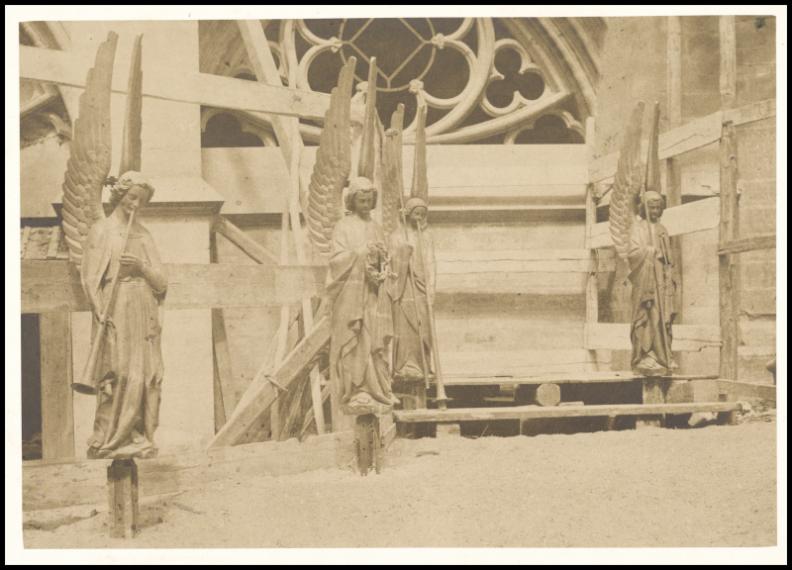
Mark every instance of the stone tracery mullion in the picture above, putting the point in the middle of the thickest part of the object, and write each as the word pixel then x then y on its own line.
pixel 509 120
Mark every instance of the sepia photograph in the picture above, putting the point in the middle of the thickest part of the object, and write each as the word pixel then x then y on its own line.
pixel 396 283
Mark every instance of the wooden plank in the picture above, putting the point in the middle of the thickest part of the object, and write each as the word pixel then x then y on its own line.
pixel 57 419
pixel 48 485
pixel 489 180
pixel 49 286
pixel 690 136
pixel 467 362
pixel 70 69
pixel 674 70
pixel 540 412
pixel 673 174
pixel 290 143
pixel 248 245
pixel 52 247
pixel 583 377
pixel 512 282
pixel 728 61
pixel 743 390
pixel 592 287
pixel 728 231
pixel 616 336
pixel 264 391
pixel 687 218
pixel 24 241
pixel 222 358
pixel 753 243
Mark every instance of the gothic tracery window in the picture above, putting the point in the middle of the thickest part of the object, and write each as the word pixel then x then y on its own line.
pixel 484 80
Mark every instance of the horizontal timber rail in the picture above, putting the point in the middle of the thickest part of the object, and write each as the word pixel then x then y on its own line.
pixel 539 412
pixel 581 378
pixel 752 243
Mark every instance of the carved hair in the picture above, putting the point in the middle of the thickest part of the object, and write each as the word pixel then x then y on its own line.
pixel 414 203
pixel 119 188
pixel 357 185
pixel 651 195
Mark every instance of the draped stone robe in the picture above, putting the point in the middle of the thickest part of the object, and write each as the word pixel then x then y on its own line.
pixel 361 324
pixel 130 350
pixel 653 289
pixel 410 309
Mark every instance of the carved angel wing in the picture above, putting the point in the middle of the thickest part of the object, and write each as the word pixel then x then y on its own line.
pixel 89 157
pixel 392 173
pixel 627 185
pixel 333 163
pixel 420 182
pixel 131 149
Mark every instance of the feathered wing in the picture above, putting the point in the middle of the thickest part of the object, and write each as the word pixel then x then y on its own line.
pixel 627 184
pixel 392 172
pixel 131 148
pixel 90 152
pixel 368 144
pixel 420 182
pixel 333 163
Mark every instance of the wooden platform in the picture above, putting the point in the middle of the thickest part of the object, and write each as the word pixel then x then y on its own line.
pixel 577 411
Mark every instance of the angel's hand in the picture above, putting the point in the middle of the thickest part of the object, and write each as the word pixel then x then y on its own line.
pixel 107 389
pixel 133 262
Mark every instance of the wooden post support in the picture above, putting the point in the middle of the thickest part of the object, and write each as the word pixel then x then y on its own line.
pixel 122 494
pixel 368 444
pixel 592 287
pixel 728 270
pixel 413 397
pixel 653 393
pixel 57 415
pixel 673 170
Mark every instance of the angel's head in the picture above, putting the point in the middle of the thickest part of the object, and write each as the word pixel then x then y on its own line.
pixel 655 204
pixel 131 191
pixel 361 196
pixel 416 210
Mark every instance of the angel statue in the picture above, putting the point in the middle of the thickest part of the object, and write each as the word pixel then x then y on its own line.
pixel 358 259
pixel 644 243
pixel 412 287
pixel 120 269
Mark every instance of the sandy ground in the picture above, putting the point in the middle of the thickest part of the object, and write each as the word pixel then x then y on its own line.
pixel 714 486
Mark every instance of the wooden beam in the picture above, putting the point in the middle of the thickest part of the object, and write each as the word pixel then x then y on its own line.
pixel 603 377
pixel 222 359
pixel 753 243
pixel 672 168
pixel 744 390
pixel 592 287
pixel 51 485
pixel 291 144
pixel 539 412
pixel 265 391
pixel 728 231
pixel 616 336
pixel 57 419
pixel 239 238
pixel 51 286
pixel 266 71
pixel 70 69
pixel 690 136
pixel 687 218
